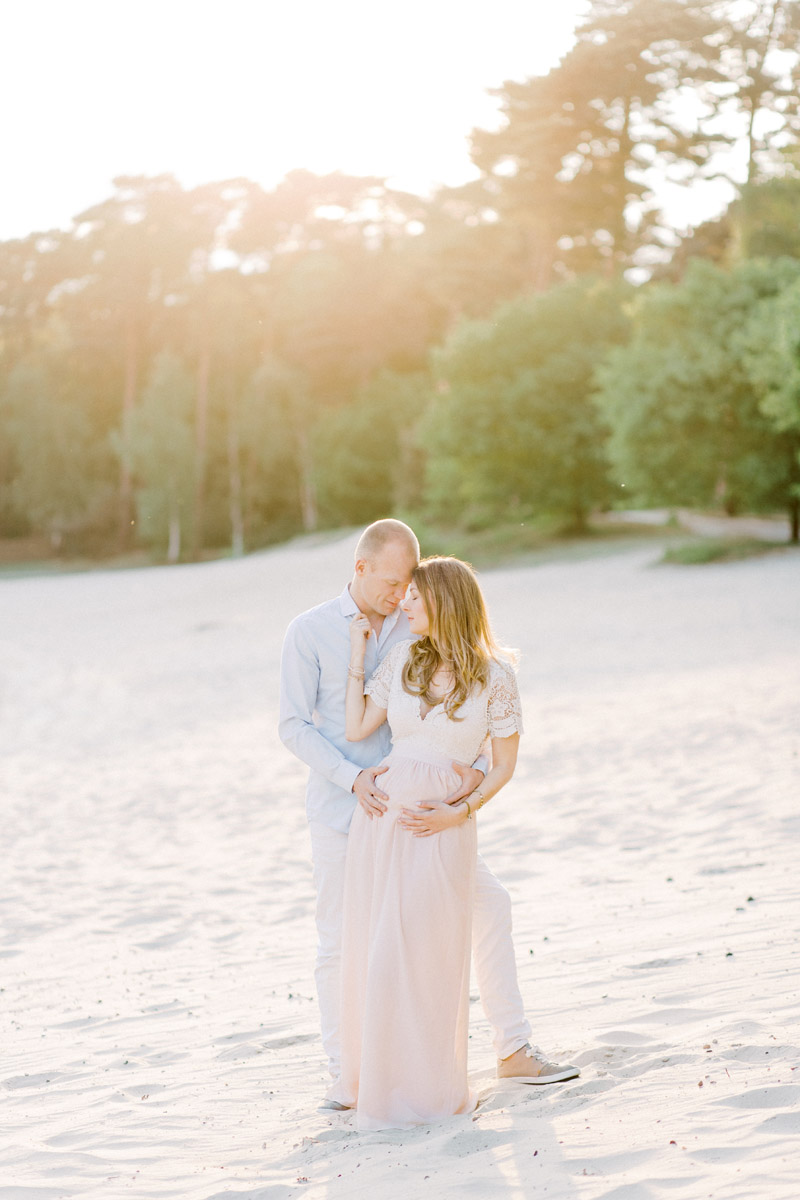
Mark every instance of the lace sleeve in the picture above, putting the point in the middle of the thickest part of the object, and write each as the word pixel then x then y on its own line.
pixel 505 709
pixel 379 683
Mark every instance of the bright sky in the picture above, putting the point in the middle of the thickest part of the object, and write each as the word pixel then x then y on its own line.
pixel 210 89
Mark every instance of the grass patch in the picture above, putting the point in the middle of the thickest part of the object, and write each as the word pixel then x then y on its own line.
pixel 708 550
pixel 534 539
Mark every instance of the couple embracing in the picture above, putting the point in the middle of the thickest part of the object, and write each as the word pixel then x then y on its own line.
pixel 392 693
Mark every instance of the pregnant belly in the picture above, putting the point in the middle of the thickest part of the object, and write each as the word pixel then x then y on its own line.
pixel 409 780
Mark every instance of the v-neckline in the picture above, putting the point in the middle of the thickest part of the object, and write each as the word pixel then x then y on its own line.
pixel 424 716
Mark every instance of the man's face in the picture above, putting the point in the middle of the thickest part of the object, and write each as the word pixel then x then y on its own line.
pixel 383 581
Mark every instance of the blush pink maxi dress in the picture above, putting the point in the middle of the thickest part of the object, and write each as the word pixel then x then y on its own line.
pixel 408 913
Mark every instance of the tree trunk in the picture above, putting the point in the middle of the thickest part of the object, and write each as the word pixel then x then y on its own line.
pixel 621 256
pixel 174 547
pixel 308 494
pixel 128 402
pixel 201 447
pixel 235 480
pixel 794 491
pixel 754 100
pixel 541 254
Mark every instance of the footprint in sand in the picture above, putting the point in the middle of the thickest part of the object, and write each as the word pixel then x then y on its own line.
pixel 592 1087
pixel 282 1043
pixel 624 1037
pixel 35 1081
pixel 733 869
pixel 759 1053
pixel 782 1123
pixel 656 964
pixel 787 1096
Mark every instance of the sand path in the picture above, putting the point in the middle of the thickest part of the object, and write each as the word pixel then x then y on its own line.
pixel 159 1028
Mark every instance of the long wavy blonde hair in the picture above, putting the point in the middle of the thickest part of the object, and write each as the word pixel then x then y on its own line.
pixel 459 633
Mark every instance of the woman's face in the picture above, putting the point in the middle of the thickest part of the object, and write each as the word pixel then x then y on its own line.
pixel 414 608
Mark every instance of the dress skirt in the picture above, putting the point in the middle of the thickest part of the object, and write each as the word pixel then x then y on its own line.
pixel 406 956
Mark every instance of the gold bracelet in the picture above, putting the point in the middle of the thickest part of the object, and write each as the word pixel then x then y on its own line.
pixel 355 674
pixel 478 792
pixel 469 810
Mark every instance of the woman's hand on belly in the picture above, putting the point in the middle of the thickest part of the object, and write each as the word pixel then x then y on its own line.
pixel 432 816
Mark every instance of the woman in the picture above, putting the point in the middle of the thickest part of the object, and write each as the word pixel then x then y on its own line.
pixel 410 873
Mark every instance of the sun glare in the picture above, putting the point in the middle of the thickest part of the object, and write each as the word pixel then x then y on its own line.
pixel 210 91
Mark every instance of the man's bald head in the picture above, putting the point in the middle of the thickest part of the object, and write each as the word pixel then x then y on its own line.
pixel 380 534
pixel 386 554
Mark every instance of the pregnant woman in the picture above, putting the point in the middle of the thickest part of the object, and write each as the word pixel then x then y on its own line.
pixel 410 872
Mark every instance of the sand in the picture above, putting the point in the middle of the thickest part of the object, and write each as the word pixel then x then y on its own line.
pixel 159 1027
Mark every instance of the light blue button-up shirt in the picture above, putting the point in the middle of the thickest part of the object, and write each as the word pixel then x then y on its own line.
pixel 316 654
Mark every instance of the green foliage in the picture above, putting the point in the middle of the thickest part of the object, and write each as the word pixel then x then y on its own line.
pixel 55 466
pixel 161 447
pixel 771 351
pixel 366 461
pixel 686 424
pixel 771 345
pixel 261 360
pixel 767 218
pixel 709 550
pixel 512 424
pixel 275 413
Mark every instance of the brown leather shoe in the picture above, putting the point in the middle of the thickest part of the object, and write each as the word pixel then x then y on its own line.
pixel 528 1066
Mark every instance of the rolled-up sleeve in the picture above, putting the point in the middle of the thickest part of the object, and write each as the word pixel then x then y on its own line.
pixel 300 674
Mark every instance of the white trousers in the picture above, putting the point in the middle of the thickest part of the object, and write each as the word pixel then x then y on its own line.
pixel 492 948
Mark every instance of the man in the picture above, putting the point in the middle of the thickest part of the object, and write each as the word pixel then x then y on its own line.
pixel 316 653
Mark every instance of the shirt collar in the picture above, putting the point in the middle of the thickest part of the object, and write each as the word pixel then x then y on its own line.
pixel 349 608
pixel 347 604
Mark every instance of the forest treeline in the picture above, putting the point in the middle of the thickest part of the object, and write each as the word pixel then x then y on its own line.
pixel 226 365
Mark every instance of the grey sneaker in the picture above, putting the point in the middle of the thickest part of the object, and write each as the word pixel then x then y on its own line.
pixel 528 1066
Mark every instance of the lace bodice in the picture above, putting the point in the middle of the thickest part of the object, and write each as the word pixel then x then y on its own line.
pixel 494 711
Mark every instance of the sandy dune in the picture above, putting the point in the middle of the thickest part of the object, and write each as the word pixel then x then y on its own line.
pixel 159 1028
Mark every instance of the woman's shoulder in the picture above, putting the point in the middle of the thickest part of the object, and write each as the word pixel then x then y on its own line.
pixel 502 671
pixel 384 678
pixel 401 649
pixel 399 652
pixel 504 704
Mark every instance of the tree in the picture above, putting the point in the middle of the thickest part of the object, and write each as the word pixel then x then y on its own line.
pixel 135 255
pixel 55 480
pixel 757 92
pixel 683 90
pixel 160 443
pixel 30 269
pixel 685 422
pixel 280 486
pixel 763 222
pixel 771 343
pixel 573 165
pixel 512 424
pixel 343 284
pixel 766 218
pixel 366 462
pixel 465 259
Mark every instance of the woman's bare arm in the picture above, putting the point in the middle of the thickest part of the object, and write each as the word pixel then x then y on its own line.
pixel 362 714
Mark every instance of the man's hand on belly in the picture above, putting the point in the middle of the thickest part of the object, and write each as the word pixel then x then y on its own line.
pixel 470 779
pixel 368 794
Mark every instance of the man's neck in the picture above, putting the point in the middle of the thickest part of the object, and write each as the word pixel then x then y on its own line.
pixel 375 619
